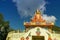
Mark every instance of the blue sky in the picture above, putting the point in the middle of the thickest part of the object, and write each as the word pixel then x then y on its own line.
pixel 9 10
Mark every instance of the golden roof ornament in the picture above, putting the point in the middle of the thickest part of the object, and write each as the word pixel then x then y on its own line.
pixel 37 20
pixel 38 11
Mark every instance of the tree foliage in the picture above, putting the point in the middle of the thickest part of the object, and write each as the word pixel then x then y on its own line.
pixel 4 28
pixel 56 29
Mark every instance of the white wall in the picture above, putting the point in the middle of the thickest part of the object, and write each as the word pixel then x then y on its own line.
pixel 32 32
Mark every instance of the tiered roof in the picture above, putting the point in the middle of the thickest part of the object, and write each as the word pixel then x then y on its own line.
pixel 37 20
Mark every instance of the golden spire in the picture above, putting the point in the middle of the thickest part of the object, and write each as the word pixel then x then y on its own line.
pixel 37 12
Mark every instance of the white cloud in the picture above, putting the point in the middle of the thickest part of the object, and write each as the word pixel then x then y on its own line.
pixel 28 7
pixel 49 18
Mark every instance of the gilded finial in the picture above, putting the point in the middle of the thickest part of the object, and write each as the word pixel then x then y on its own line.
pixel 38 11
